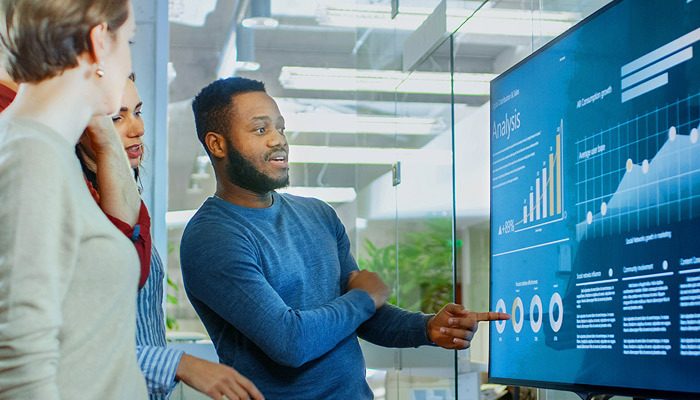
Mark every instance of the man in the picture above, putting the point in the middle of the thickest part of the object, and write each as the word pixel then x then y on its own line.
pixel 272 276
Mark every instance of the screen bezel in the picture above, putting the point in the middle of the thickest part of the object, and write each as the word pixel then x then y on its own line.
pixel 581 389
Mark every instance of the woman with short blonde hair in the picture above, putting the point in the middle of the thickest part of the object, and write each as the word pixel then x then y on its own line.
pixel 68 277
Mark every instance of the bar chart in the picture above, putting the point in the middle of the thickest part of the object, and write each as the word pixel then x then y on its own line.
pixel 528 175
pixel 545 197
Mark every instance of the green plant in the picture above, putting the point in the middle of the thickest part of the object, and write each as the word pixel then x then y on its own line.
pixel 171 322
pixel 424 266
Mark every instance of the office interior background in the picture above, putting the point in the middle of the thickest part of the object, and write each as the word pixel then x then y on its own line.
pixel 387 120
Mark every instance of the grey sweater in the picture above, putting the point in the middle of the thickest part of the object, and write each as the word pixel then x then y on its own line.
pixel 68 277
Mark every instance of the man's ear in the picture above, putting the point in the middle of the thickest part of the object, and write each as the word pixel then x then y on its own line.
pixel 99 41
pixel 216 143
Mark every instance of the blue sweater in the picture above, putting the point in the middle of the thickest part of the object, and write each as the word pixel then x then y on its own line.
pixel 269 285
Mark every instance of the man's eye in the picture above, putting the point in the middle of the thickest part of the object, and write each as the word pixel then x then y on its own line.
pixel 281 131
pixel 138 113
pixel 261 130
pixel 116 118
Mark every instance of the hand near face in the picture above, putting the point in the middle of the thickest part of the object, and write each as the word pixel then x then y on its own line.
pixel 454 327
pixel 101 136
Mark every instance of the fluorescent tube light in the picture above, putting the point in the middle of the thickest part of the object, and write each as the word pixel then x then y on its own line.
pixel 490 21
pixel 350 123
pixel 260 16
pixel 327 194
pixel 247 65
pixel 303 154
pixel 348 79
pixel 260 23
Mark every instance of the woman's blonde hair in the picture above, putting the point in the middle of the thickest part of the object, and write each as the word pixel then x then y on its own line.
pixel 42 38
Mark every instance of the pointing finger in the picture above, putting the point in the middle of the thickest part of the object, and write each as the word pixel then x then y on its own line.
pixel 453 308
pixel 490 316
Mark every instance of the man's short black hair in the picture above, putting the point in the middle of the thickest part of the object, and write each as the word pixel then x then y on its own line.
pixel 213 106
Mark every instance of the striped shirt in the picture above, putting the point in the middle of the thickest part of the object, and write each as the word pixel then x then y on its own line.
pixel 157 363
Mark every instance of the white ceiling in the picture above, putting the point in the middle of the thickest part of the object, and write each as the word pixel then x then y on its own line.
pixel 302 40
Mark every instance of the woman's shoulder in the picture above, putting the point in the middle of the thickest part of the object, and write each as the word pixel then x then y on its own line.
pixel 29 152
pixel 24 133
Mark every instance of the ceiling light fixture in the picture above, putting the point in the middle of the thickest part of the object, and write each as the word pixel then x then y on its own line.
pixel 247 65
pixel 347 79
pixel 490 21
pixel 260 16
pixel 361 124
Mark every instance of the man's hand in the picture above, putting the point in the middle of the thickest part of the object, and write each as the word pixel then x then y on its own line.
pixel 216 380
pixel 370 283
pixel 454 327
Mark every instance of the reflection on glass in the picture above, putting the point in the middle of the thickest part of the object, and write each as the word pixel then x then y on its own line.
pixel 424 265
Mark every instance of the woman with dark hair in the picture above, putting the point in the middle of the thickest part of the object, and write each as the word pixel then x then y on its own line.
pixel 162 367
pixel 67 275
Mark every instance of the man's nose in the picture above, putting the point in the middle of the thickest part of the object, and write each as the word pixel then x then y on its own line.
pixel 277 139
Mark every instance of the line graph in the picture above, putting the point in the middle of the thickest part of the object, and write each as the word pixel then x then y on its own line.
pixel 653 179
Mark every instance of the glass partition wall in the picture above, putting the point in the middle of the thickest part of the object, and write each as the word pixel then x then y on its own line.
pixel 400 153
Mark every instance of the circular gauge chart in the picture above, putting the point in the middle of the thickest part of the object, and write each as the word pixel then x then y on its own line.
pixel 556 321
pixel 518 315
pixel 536 304
pixel 500 307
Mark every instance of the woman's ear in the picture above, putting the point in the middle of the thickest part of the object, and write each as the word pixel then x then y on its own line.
pixel 99 41
pixel 216 144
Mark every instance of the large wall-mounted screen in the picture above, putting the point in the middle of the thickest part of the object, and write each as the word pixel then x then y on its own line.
pixel 595 206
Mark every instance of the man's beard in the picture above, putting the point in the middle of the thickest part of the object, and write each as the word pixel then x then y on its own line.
pixel 242 173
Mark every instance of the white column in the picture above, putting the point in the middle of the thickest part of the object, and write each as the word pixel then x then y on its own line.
pixel 149 60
